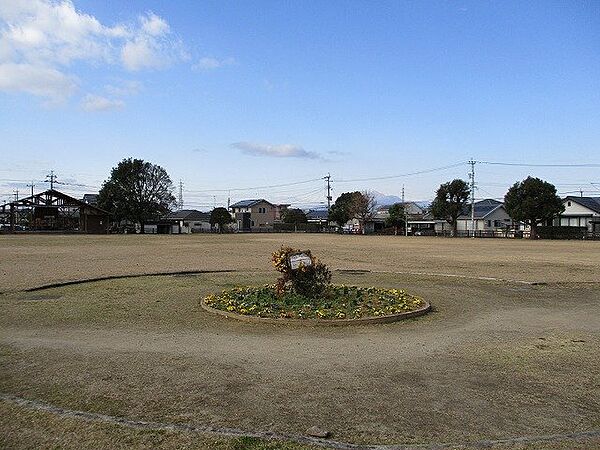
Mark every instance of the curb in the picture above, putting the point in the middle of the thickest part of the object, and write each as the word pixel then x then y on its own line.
pixel 320 322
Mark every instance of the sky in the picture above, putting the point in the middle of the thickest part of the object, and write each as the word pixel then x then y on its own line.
pixel 263 99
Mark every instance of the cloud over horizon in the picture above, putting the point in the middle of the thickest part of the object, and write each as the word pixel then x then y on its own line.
pixel 275 151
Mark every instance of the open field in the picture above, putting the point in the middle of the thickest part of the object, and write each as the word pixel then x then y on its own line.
pixel 33 260
pixel 496 359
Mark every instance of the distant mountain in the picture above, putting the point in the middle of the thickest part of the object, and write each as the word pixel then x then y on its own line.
pixel 386 200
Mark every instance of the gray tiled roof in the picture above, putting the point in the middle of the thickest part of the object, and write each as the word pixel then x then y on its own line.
pixel 188 214
pixel 482 208
pixel 248 203
pixel 317 214
pixel 592 203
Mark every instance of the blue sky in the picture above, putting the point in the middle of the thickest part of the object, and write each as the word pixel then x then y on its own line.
pixel 229 95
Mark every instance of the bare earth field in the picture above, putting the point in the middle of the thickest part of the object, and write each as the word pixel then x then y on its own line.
pixel 496 359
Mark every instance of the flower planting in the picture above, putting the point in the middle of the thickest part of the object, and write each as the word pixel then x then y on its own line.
pixel 304 291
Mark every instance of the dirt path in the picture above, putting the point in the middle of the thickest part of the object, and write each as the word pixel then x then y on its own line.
pixel 493 361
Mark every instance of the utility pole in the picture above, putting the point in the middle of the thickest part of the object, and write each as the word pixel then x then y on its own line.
pixel 16 210
pixel 472 179
pixel 180 194
pixel 405 213
pixel 51 177
pixel 32 185
pixel 328 178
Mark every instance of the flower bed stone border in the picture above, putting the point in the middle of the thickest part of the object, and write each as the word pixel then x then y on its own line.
pixel 317 322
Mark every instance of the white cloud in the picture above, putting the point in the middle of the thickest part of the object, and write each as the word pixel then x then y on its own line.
pixel 38 80
pixel 48 36
pixel 124 88
pixel 209 63
pixel 94 103
pixel 154 25
pixel 277 151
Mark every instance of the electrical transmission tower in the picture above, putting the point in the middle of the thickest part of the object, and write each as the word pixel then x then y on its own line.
pixel 180 194
pixel 51 178
pixel 472 180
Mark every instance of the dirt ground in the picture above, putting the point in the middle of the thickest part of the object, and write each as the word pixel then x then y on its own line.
pixel 494 360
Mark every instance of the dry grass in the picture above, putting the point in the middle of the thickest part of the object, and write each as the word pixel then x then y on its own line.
pixel 493 360
pixel 34 260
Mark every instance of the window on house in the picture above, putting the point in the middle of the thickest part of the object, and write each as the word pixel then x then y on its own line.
pixel 568 203
pixel 489 223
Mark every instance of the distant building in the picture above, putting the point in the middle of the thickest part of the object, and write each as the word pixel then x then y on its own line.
pixel 256 214
pixel 317 216
pixel 490 215
pixel 90 199
pixel 580 212
pixel 184 221
pixel 52 210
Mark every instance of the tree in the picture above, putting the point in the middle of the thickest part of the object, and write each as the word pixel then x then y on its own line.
pixel 221 217
pixel 397 217
pixel 294 215
pixel 450 202
pixel 342 210
pixel 532 201
pixel 363 208
pixel 137 191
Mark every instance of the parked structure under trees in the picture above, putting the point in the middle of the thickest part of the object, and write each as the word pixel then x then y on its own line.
pixel 138 192
pixel 533 202
pixel 450 200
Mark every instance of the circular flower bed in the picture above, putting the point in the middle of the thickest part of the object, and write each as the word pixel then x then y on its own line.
pixel 337 302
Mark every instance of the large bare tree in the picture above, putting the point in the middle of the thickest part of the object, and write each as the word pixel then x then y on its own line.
pixel 364 207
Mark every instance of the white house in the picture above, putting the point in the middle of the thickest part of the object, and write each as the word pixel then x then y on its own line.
pixel 490 216
pixel 580 212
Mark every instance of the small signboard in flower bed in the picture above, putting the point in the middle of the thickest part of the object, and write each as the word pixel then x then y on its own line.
pixel 300 259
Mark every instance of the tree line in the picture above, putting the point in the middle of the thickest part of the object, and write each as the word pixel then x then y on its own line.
pixel 139 192
pixel 532 202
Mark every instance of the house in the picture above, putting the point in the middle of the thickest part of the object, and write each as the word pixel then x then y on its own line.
pixel 580 212
pixel 184 221
pixel 256 214
pixel 90 199
pixel 490 216
pixel 319 216
pixel 414 211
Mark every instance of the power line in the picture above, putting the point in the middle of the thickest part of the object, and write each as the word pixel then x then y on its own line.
pixel 260 187
pixel 496 163
pixel 436 169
